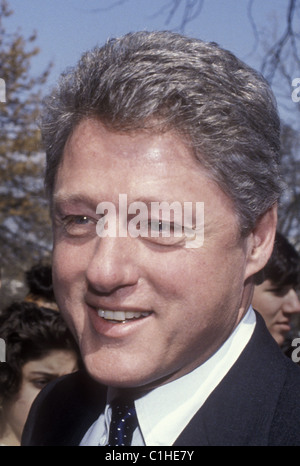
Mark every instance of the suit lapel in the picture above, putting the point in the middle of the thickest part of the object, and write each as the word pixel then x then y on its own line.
pixel 64 410
pixel 245 389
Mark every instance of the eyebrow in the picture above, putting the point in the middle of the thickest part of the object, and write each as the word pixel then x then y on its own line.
pixel 76 198
pixel 44 373
pixel 62 199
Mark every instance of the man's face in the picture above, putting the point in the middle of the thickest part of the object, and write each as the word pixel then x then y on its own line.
pixel 277 305
pixel 176 304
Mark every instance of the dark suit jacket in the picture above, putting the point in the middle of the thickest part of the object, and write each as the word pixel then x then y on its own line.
pixel 257 403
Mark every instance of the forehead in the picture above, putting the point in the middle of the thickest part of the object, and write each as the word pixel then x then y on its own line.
pixel 92 139
pixel 54 361
pixel 159 166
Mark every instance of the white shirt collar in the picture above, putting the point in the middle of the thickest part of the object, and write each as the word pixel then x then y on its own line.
pixel 164 412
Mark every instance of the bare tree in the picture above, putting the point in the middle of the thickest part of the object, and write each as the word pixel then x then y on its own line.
pixel 190 10
pixel 289 208
pixel 25 233
pixel 286 47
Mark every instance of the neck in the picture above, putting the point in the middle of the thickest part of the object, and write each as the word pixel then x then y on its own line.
pixel 9 437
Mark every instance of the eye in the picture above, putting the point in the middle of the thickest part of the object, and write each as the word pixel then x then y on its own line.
pixel 79 225
pixel 280 291
pixel 41 382
pixel 160 228
pixel 162 232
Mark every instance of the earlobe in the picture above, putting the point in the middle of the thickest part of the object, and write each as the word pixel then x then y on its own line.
pixel 261 241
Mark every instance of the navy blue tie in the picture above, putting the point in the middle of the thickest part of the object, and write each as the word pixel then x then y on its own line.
pixel 123 422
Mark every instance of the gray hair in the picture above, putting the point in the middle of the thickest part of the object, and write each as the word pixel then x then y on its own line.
pixel 158 81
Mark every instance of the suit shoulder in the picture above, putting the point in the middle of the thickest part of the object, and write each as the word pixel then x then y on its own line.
pixel 64 410
pixel 286 422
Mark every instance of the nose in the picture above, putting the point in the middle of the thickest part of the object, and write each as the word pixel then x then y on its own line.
pixel 113 265
pixel 291 303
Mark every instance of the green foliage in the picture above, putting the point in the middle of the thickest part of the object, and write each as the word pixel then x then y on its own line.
pixel 24 223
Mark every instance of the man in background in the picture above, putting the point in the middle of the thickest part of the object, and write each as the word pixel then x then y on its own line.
pixel 276 298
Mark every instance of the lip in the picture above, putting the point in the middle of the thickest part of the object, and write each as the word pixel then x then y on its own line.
pixel 121 316
pixel 111 329
pixel 284 325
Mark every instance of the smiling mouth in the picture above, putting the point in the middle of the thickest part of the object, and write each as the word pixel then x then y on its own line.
pixel 284 324
pixel 123 317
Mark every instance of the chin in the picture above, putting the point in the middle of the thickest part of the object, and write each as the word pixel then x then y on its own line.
pixel 126 375
pixel 113 374
pixel 280 339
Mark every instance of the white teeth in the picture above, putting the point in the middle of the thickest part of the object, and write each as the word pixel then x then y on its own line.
pixel 121 316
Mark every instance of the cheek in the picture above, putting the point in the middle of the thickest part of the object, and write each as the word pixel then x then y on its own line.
pixel 215 275
pixel 69 283
pixel 198 288
pixel 68 265
pixel 274 305
pixel 20 406
pixel 268 305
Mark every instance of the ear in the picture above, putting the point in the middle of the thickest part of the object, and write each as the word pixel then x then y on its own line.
pixel 261 242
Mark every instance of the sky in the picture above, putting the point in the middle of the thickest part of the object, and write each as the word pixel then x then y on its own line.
pixel 67 28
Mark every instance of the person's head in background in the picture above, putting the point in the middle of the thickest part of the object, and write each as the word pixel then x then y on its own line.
pixel 39 282
pixel 39 348
pixel 276 298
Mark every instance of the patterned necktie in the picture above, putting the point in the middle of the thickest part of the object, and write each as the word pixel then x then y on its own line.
pixel 123 422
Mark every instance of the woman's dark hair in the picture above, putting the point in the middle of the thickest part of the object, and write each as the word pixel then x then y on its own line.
pixel 283 267
pixel 30 332
pixel 39 281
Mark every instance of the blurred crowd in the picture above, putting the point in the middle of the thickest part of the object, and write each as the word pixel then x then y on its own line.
pixel 39 348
